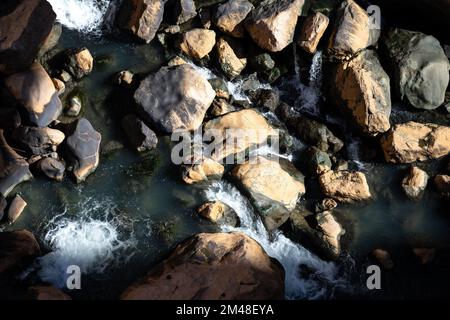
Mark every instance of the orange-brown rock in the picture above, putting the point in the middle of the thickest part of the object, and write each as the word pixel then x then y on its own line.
pixel 198 43
pixel 414 183
pixel 345 186
pixel 230 16
pixel 231 61
pixel 203 170
pixel 312 31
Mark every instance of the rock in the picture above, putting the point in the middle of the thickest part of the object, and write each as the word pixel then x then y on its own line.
pixel 231 59
pixel 176 61
pixel 442 183
pixel 268 99
pixel 220 86
pixel 414 183
pixel 230 16
pixel 17 249
pixel 52 39
pixel 264 22
pixel 212 267
pixel 412 141
pixel 203 170
pixel 64 76
pixel 330 231
pixel 13 168
pixel 383 258
pixel 205 16
pixel 111 147
pixel 184 11
pixel 124 78
pixel 273 187
pixel 38 141
pixel 174 98
pixel 9 119
pixel 420 68
pixel 74 108
pixel 220 107
pixel 46 293
pixel 83 144
pixel 140 136
pixel 425 255
pixel 219 213
pixel 3 205
pixel 262 62
pixel 16 208
pixel 34 91
pixel 141 17
pixel 52 168
pixel 24 26
pixel 248 127
pixel 363 87
pixel 79 62
pixel 345 186
pixel 198 43
pixel 352 32
pixel 59 86
pixel 326 204
pixel 316 161
pixel 312 31
pixel 309 131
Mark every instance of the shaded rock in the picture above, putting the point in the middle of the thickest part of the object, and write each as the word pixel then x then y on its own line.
pixel 273 187
pixel 219 213
pixel 83 144
pixel 414 183
pixel 425 255
pixel 220 107
pixel 231 59
pixel 442 183
pixel 230 16
pixel 326 204
pixel 140 136
pixel 141 17
pixel 330 231
pixel 46 293
pixel 262 62
pixel 52 39
pixel 9 118
pixel 34 91
pixel 13 168
pixel 24 26
pixel 345 186
pixel 352 32
pixel 3 205
pixel 174 98
pixel 110 147
pixel 268 99
pixel 52 168
pixel 202 170
pixel 211 267
pixel 316 161
pixel 198 43
pixel 79 62
pixel 264 23
pixel 383 258
pixel 220 86
pixel 74 108
pixel 184 11
pixel 16 208
pixel 38 141
pixel 363 87
pixel 312 31
pixel 413 141
pixel 421 68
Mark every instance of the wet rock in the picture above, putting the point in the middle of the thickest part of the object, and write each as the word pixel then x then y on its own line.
pixel 316 161
pixel 425 255
pixel 185 10
pixel 17 249
pixel 273 187
pixel 352 32
pixel 312 31
pixel 330 231
pixel 326 204
pixel 247 126
pixel 363 87
pixel 83 144
pixel 74 107
pixel 198 43
pixel 219 213
pixel 124 78
pixel 141 17
pixel 46 293
pixel 34 91
pixel 59 86
pixel 9 119
pixel 414 183
pixel 211 267
pixel 24 26
pixel 442 183
pixel 345 186
pixel 202 170
pixel 140 136
pixel 420 68
pixel 16 208
pixel 413 141
pixel 220 87
pixel 264 22
pixel 268 99
pixel 174 98
pixel 52 168
pixel 52 39
pixel 383 258
pixel 37 141
pixel 79 62
pixel 220 107
pixel 231 58
pixel 262 62
pixel 230 16
pixel 111 147
pixel 13 168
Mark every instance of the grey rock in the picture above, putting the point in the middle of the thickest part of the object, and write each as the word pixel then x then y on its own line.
pixel 140 136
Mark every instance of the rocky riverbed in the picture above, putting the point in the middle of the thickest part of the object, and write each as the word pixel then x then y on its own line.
pixel 93 91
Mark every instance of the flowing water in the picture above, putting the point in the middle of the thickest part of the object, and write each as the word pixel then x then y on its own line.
pixel 134 209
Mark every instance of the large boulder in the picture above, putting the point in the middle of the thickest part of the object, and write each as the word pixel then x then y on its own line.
pixel 352 32
pixel 414 183
pixel 13 168
pixel 421 68
pixel 345 186
pixel 198 43
pixel 141 137
pixel 312 31
pixel 83 144
pixel 230 16
pixel 38 141
pixel 363 87
pixel 51 168
pixel 24 27
pixel 272 23
pixel 274 187
pixel 141 17
pixel 34 90
pixel 219 266
pixel 412 141
pixel 174 98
